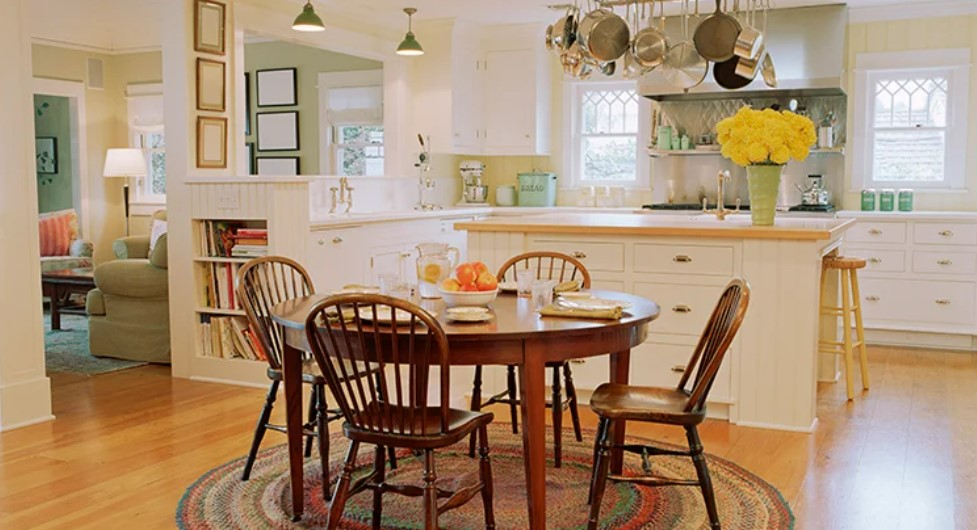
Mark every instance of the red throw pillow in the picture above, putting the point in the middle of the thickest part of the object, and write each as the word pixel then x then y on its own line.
pixel 56 233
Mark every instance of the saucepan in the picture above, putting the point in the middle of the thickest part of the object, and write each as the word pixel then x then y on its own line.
pixel 604 35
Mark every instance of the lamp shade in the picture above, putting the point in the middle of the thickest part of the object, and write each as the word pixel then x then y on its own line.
pixel 124 163
pixel 308 20
pixel 410 46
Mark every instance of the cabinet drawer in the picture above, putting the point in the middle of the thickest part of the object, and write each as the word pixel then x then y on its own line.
pixel 683 259
pixel 877 232
pixel 880 260
pixel 684 308
pixel 944 262
pixel 596 256
pixel 884 299
pixel 945 234
pixel 919 301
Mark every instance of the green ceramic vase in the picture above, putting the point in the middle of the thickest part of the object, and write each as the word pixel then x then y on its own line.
pixel 764 184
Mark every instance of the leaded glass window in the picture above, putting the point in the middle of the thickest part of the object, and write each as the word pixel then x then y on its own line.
pixel 910 129
pixel 608 135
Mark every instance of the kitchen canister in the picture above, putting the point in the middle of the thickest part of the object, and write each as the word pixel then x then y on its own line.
pixel 664 138
pixel 887 200
pixel 505 196
pixel 905 200
pixel 868 200
pixel 537 188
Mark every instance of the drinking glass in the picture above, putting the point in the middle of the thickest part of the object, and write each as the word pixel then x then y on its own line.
pixel 524 281
pixel 542 293
pixel 388 281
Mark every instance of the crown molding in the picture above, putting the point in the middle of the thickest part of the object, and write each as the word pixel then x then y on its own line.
pixel 94 49
pixel 859 15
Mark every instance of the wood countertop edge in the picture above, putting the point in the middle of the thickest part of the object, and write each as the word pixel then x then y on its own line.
pixel 729 233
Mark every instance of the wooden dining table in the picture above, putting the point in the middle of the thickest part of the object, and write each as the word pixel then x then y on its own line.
pixel 517 335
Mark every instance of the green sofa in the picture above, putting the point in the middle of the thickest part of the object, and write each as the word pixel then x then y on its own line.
pixel 128 311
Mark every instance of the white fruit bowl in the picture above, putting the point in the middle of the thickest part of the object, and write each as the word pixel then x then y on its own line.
pixel 468 298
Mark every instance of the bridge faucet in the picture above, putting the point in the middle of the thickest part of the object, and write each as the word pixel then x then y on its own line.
pixel 345 195
pixel 720 212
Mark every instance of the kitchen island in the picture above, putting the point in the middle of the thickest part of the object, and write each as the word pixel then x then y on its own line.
pixel 682 262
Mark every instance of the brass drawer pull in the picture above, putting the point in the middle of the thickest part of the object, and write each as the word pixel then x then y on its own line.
pixel 682 258
pixel 943 301
pixel 946 233
pixel 679 368
pixel 682 309
pixel 875 232
pixel 577 254
pixel 337 240
pixel 944 262
pixel 875 260
pixel 872 298
pixel 578 361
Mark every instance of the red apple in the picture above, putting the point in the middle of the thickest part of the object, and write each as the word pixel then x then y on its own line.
pixel 451 284
pixel 466 274
pixel 486 282
pixel 470 287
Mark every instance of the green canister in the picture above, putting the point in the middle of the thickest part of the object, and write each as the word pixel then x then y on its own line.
pixel 905 200
pixel 887 201
pixel 868 200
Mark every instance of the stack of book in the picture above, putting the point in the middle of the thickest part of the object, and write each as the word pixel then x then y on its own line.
pixel 250 243
pixel 230 338
pixel 220 281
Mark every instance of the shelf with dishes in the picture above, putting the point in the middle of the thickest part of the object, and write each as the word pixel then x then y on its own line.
pixel 714 151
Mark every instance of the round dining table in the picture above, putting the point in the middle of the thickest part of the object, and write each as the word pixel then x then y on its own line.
pixel 517 335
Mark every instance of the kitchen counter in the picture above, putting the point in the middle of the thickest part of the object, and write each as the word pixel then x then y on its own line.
pixel 700 225
pixel 903 216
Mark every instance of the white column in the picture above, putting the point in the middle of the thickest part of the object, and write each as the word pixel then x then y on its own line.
pixel 25 391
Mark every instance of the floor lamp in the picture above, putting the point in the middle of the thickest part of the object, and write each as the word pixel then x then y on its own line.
pixel 125 163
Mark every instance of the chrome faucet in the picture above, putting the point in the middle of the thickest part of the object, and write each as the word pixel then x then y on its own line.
pixel 345 195
pixel 721 212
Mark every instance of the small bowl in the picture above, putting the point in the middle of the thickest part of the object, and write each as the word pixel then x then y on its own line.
pixel 469 298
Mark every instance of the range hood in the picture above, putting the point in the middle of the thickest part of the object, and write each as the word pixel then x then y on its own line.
pixel 807 45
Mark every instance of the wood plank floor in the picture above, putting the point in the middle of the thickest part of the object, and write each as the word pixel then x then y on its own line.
pixel 126 445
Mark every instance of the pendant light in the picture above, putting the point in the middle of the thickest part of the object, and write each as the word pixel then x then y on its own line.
pixel 308 20
pixel 410 46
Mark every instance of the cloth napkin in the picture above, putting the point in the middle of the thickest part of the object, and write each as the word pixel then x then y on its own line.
pixel 553 310
pixel 572 285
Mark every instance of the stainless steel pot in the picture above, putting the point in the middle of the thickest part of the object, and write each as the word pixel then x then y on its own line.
pixel 604 35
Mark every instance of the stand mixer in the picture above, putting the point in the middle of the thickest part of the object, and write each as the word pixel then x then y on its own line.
pixel 473 192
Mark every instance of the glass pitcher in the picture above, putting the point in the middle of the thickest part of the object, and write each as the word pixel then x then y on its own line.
pixel 434 264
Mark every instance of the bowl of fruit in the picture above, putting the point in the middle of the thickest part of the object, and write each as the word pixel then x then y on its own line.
pixel 471 285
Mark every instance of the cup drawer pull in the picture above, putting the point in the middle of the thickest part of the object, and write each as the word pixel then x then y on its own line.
pixel 875 232
pixel 943 301
pixel 337 240
pixel 679 368
pixel 682 258
pixel 944 262
pixel 577 254
pixel 875 260
pixel 578 361
pixel 946 233
pixel 872 298
pixel 682 309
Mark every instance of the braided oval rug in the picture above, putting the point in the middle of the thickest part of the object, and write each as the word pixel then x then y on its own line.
pixel 220 500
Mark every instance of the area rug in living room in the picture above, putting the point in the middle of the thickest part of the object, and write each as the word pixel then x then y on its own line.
pixel 219 499
pixel 66 349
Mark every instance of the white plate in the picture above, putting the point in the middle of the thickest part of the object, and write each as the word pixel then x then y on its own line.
pixel 576 295
pixel 358 290
pixel 468 314
pixel 593 304
pixel 383 315
pixel 508 287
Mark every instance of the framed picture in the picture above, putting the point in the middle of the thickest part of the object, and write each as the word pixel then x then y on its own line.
pixel 211 142
pixel 208 26
pixel 247 104
pixel 249 152
pixel 278 131
pixel 281 165
pixel 46 153
pixel 276 87
pixel 210 85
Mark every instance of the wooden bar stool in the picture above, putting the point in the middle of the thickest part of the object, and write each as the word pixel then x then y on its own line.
pixel 850 305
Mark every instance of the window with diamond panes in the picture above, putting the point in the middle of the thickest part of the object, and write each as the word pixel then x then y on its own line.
pixel 608 135
pixel 910 129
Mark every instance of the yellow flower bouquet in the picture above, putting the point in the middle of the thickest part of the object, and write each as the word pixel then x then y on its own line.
pixel 763 141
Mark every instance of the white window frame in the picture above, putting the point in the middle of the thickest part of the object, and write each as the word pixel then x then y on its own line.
pixel 328 163
pixel 573 139
pixel 954 65
pixel 142 195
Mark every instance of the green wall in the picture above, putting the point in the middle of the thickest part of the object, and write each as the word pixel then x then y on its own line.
pixel 309 62
pixel 52 119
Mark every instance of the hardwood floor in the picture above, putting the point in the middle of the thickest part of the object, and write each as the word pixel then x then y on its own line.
pixel 126 445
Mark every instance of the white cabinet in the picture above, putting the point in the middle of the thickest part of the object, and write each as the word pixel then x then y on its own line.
pixel 336 258
pixel 484 90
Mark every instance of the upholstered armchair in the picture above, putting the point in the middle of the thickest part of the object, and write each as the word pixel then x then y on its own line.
pixel 61 246
pixel 128 311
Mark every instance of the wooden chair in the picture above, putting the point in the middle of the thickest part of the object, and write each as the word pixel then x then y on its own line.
pixel 393 411
pixel 551 266
pixel 263 283
pixel 679 406
pixel 851 305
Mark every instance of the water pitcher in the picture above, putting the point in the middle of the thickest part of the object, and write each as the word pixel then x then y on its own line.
pixel 435 261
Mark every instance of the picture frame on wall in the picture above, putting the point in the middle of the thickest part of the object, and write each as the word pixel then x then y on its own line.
pixel 276 87
pixel 249 152
pixel 211 142
pixel 46 154
pixel 208 26
pixel 211 88
pixel 277 165
pixel 278 131
pixel 247 104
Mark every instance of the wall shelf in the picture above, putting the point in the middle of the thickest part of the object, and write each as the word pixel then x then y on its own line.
pixel 658 153
pixel 216 311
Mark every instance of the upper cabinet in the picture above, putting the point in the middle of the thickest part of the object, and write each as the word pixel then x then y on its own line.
pixel 483 90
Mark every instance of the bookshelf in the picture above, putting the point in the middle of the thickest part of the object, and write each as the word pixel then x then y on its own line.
pixel 262 216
